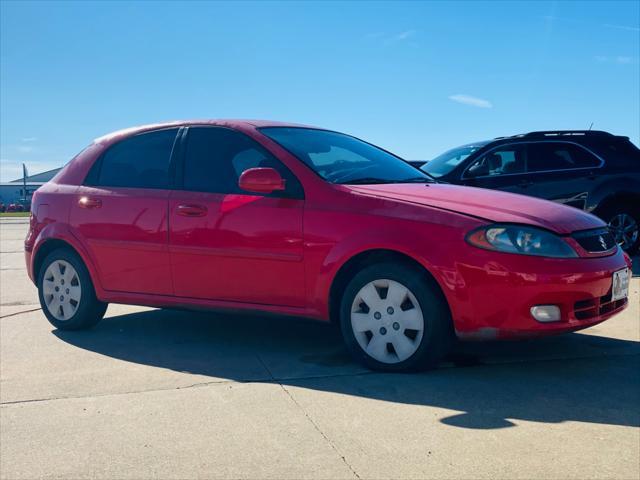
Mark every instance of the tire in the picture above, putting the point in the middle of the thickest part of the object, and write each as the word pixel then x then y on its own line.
pixel 66 293
pixel 624 223
pixel 369 332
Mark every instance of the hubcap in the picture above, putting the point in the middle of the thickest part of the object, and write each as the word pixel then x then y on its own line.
pixel 387 321
pixel 624 229
pixel 61 290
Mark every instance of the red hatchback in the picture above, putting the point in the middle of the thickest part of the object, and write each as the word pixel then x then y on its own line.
pixel 253 215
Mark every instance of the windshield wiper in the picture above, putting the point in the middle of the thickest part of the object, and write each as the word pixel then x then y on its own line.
pixel 376 180
pixel 416 180
pixel 366 180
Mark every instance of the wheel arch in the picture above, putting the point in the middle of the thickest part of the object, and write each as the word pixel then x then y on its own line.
pixel 56 236
pixel 624 197
pixel 370 257
pixel 48 246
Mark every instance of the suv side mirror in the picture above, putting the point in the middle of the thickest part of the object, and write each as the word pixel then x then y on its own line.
pixel 261 180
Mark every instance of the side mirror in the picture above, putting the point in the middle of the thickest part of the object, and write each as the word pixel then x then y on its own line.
pixel 261 180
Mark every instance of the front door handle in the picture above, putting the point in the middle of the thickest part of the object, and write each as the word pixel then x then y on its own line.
pixel 88 202
pixel 192 210
pixel 525 183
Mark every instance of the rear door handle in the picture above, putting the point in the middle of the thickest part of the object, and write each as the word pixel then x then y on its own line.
pixel 192 210
pixel 88 202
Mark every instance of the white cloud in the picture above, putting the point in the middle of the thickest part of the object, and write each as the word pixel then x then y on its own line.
pixel 623 27
pixel 389 38
pixel 620 59
pixel 28 139
pixel 404 35
pixel 25 149
pixel 472 101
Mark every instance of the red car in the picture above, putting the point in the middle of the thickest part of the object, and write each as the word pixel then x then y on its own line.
pixel 14 207
pixel 294 220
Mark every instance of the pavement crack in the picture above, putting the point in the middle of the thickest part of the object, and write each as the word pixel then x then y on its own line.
pixel 114 394
pixel 306 414
pixel 19 313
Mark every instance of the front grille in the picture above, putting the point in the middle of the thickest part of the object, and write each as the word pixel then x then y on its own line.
pixel 595 241
pixel 595 307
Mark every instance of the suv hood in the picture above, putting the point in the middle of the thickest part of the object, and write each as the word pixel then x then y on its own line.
pixel 492 205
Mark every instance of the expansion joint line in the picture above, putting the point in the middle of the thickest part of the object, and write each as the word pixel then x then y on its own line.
pixel 315 425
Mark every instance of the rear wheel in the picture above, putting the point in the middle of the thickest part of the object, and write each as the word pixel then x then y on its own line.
pixel 66 293
pixel 393 319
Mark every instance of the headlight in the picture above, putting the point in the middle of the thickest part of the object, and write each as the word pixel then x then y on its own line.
pixel 521 239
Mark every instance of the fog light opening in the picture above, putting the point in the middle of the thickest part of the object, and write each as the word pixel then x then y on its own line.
pixel 546 313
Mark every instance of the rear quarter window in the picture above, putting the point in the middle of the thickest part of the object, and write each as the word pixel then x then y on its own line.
pixel 620 152
pixel 140 161
pixel 549 156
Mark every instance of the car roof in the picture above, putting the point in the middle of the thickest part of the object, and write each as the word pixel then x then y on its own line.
pixel 558 135
pixel 230 123
pixel 575 136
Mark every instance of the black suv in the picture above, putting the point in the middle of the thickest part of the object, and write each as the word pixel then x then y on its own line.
pixel 591 170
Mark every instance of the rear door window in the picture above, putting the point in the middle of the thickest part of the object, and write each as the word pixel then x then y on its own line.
pixel 141 161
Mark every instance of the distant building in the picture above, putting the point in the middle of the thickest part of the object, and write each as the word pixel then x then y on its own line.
pixel 13 192
pixel 42 177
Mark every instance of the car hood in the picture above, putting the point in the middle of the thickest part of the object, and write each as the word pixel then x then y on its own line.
pixel 489 205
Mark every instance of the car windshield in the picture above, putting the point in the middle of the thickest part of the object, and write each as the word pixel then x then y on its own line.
pixel 443 164
pixel 340 158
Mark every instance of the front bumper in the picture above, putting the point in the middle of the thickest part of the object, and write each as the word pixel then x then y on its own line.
pixel 494 294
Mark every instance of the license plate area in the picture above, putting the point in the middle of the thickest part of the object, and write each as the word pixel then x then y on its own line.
pixel 620 284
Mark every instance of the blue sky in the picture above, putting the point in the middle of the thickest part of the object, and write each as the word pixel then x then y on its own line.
pixel 416 77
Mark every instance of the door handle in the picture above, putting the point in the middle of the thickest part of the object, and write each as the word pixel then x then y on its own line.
pixel 88 202
pixel 192 210
pixel 525 183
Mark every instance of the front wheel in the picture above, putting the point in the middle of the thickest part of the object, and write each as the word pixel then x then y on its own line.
pixel 66 292
pixel 624 224
pixel 394 319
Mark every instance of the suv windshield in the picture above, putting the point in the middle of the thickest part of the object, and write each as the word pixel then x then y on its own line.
pixel 340 158
pixel 443 164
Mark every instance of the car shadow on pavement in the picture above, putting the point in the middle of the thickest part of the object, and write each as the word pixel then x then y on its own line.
pixel 635 267
pixel 574 377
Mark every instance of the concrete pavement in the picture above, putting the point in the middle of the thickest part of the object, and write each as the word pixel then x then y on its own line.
pixel 170 394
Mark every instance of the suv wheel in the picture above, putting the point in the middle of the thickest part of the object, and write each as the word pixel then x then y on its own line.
pixel 66 293
pixel 392 319
pixel 625 227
